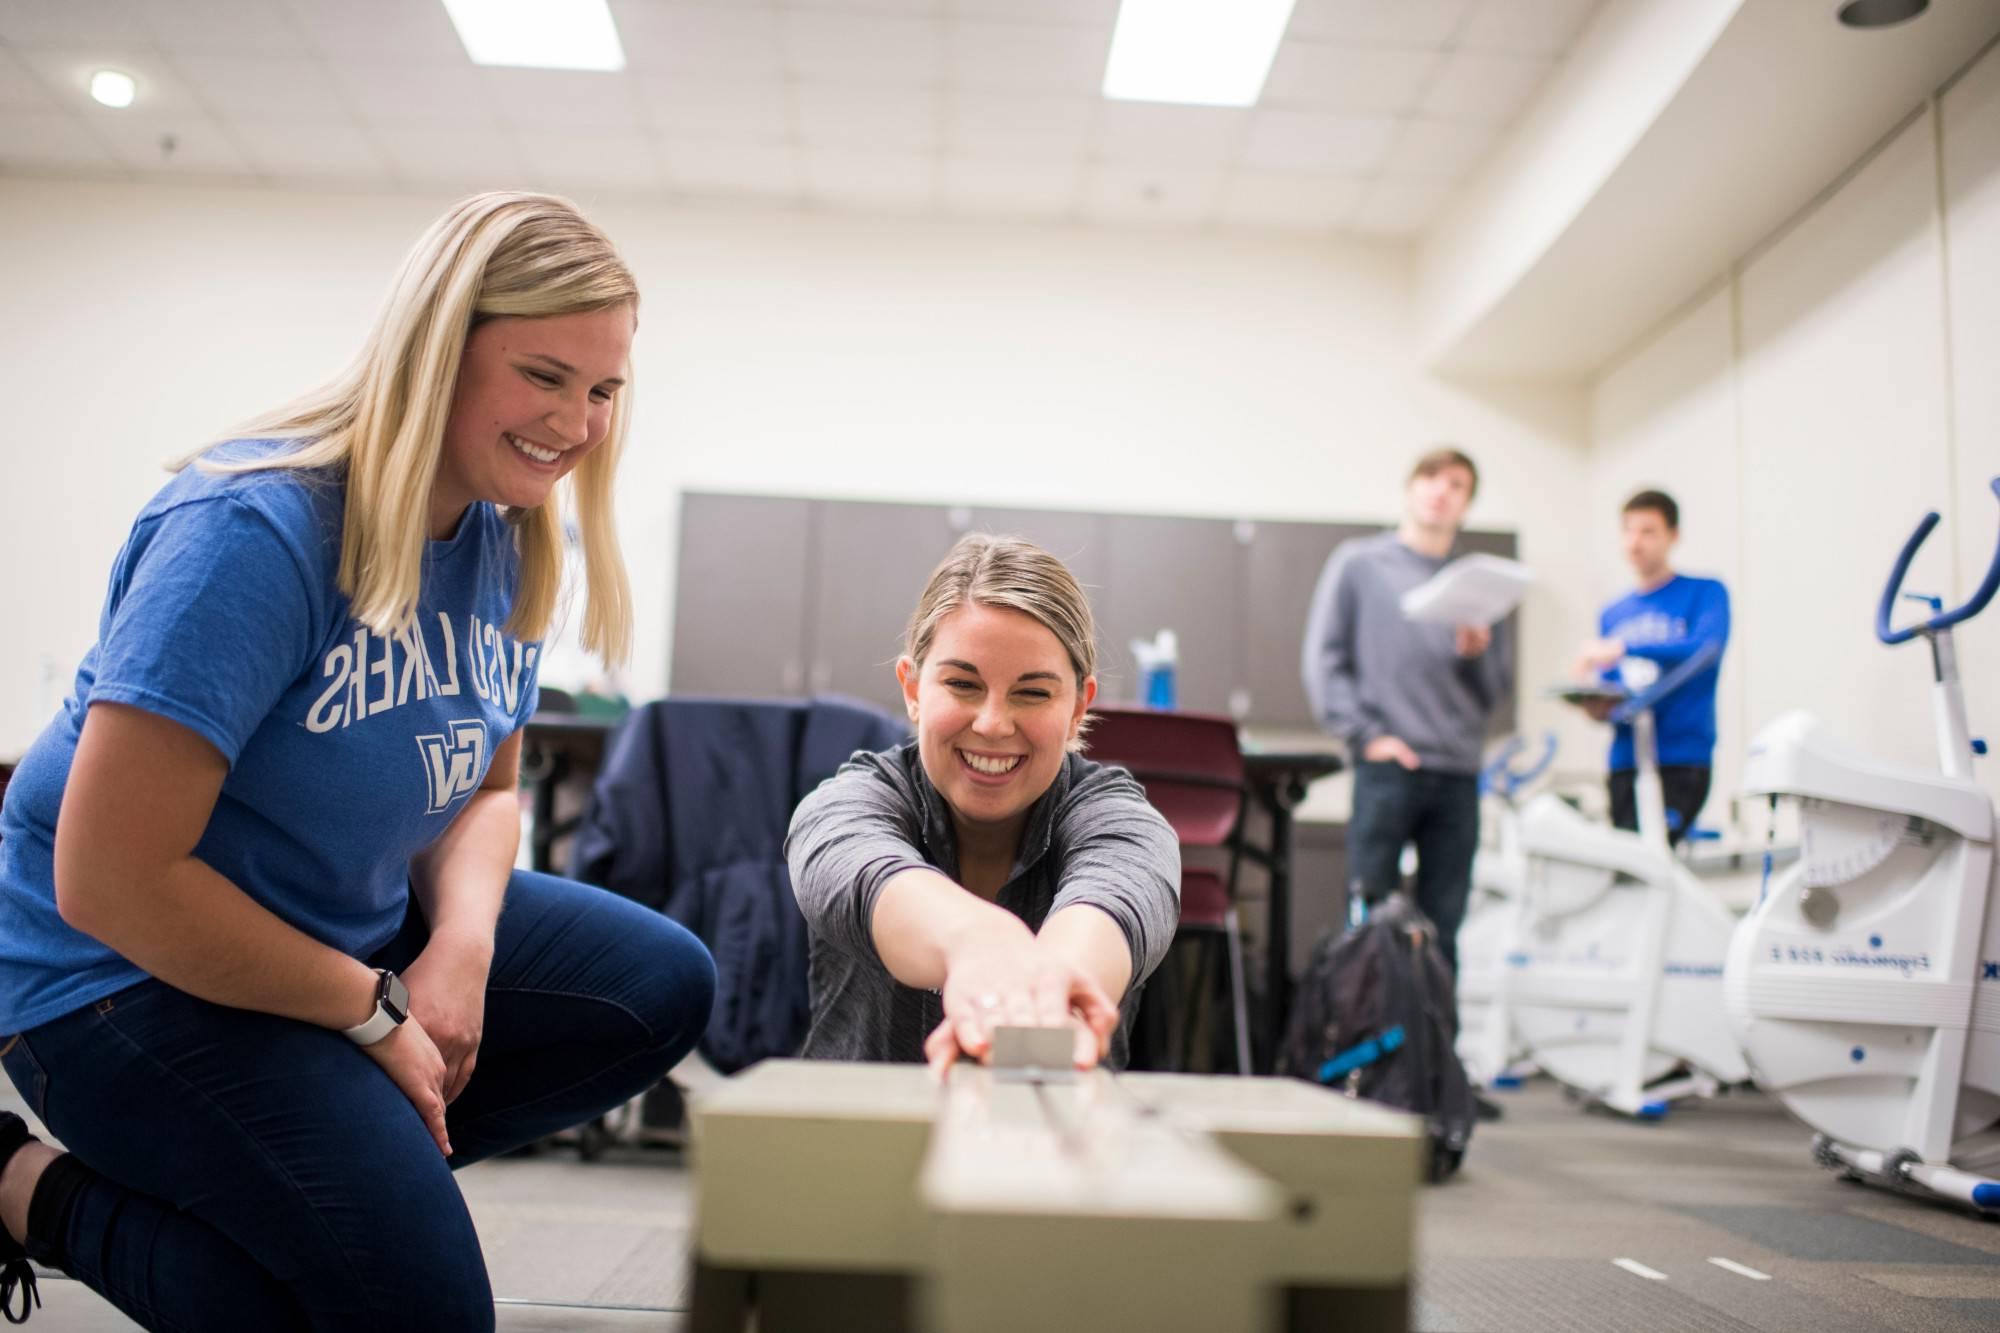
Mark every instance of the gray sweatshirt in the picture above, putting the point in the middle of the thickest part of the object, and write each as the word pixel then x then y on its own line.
pixel 1370 672
pixel 1091 838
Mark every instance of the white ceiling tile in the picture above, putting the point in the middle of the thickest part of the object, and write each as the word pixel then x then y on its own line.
pixel 1439 147
pixel 1079 13
pixel 709 41
pixel 433 96
pixel 172 142
pixel 1128 194
pixel 743 111
pixel 1310 203
pixel 559 99
pixel 72 22
pixel 974 107
pixel 862 116
pixel 1304 141
pixel 226 27
pixel 863 47
pixel 1029 57
pixel 1379 22
pixel 755 170
pixel 51 139
pixel 295 150
pixel 259 87
pixel 998 126
pixel 1395 207
pixel 473 159
pixel 620 161
pixel 1366 80
pixel 1486 85
pixel 1533 27
pixel 20 90
pixel 900 181
pixel 1194 136
pixel 403 32
pixel 1010 188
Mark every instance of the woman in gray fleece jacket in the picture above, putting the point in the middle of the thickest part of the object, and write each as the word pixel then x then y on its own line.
pixel 985 873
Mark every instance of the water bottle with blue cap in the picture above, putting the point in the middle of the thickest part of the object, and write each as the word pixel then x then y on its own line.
pixel 1157 660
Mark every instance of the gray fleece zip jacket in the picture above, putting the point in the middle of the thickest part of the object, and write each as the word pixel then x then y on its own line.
pixel 1091 838
pixel 1369 671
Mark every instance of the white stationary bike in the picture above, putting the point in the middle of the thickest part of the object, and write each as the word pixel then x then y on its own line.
pixel 1488 1045
pixel 1865 985
pixel 1615 981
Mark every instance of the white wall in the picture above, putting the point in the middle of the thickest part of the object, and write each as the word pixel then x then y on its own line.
pixel 778 352
pixel 1630 61
pixel 1970 160
pixel 1831 389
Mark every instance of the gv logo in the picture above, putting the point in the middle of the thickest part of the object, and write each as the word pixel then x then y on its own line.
pixel 452 766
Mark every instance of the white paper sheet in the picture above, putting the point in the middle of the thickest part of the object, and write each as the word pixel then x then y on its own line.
pixel 1471 590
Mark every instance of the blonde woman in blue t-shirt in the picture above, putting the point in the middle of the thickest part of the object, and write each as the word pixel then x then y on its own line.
pixel 266 968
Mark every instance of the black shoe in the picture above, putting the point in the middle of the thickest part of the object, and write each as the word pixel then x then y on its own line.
pixel 16 1273
pixel 1488 1110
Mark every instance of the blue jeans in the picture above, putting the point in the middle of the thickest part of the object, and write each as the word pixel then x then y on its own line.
pixel 1439 812
pixel 1683 790
pixel 262 1173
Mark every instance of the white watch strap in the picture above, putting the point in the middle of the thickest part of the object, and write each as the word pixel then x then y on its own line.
pixel 378 1026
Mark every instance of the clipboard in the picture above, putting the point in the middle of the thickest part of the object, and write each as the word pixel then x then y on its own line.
pixel 1587 692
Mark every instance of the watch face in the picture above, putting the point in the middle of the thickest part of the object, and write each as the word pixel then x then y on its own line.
pixel 394 996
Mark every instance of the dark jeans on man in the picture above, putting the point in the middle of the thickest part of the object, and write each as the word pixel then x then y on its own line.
pixel 253 1172
pixel 1683 790
pixel 1439 812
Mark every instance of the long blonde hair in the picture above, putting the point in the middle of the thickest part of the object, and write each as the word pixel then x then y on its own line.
pixel 1017 575
pixel 383 419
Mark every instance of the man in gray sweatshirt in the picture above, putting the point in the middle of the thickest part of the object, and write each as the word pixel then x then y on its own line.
pixel 1411 700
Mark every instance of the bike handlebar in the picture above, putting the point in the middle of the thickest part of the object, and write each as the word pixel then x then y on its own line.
pixel 1703 658
pixel 1943 619
pixel 1500 774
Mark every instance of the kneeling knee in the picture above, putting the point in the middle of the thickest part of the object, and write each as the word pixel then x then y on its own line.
pixel 430 1301
pixel 682 995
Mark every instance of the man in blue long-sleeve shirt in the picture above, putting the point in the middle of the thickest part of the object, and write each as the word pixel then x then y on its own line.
pixel 1667 619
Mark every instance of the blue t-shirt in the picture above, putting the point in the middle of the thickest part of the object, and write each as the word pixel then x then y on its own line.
pixel 348 752
pixel 1667 626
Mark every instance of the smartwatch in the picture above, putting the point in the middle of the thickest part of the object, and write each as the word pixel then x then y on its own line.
pixel 392 1006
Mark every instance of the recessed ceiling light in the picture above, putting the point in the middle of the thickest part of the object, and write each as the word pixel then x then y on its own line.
pixel 113 88
pixel 1204 52
pixel 538 34
pixel 1880 13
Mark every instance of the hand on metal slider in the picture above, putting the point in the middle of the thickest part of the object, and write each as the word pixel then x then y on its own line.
pixel 1017 983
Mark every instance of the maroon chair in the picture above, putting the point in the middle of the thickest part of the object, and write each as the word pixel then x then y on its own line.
pixel 1192 770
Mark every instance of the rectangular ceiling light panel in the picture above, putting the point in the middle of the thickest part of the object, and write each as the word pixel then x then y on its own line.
pixel 1200 52
pixel 538 34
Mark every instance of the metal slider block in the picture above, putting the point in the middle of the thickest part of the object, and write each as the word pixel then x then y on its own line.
pixel 1034 1054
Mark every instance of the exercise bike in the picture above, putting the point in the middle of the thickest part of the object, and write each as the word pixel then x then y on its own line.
pixel 1614 982
pixel 1865 984
pixel 1488 1045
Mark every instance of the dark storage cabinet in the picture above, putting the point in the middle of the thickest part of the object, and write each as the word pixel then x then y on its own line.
pixel 784 596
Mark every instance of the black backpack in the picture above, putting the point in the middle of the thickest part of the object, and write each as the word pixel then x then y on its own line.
pixel 1376 1017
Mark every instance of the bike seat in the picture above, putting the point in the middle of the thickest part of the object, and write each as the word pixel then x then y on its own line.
pixel 1798 756
pixel 1552 830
